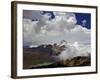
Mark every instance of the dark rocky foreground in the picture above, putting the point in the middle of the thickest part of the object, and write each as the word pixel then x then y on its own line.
pixel 77 61
pixel 42 58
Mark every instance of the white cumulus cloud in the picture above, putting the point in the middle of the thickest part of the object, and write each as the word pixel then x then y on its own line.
pixel 63 26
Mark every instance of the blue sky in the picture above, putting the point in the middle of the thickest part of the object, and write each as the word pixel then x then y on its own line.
pixel 84 16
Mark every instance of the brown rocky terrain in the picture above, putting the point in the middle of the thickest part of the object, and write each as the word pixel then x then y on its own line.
pixel 41 57
pixel 77 61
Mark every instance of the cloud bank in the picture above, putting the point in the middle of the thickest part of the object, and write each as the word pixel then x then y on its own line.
pixel 62 27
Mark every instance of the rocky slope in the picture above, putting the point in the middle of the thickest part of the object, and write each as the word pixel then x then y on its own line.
pixel 42 58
